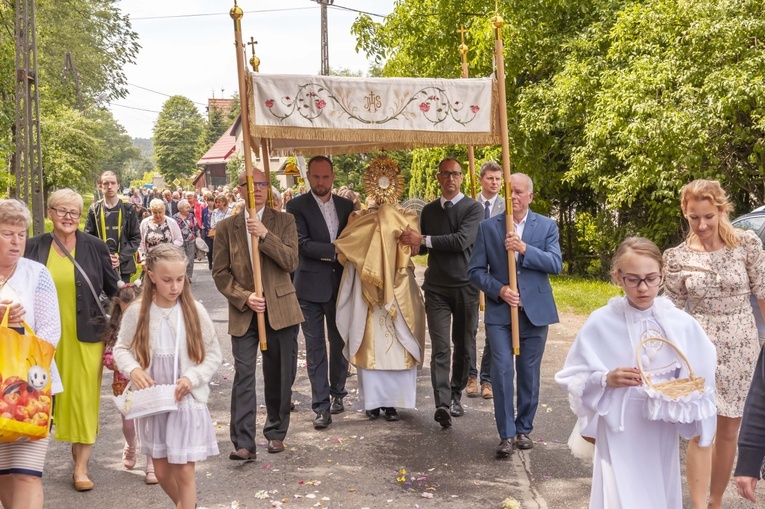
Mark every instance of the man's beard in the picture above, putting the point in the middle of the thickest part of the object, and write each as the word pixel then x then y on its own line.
pixel 320 191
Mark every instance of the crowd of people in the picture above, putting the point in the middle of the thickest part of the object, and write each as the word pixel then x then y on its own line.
pixel 343 273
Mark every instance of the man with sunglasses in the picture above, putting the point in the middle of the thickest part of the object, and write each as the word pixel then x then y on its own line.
pixel 449 226
pixel 233 276
pixel 534 242
pixel 116 223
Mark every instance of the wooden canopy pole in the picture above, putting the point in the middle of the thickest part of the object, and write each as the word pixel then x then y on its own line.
pixel 497 22
pixel 463 49
pixel 237 14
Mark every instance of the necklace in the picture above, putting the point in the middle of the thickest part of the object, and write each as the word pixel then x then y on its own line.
pixel 4 279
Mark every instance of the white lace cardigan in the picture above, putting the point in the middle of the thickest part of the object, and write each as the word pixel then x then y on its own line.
pixel 32 286
pixel 199 374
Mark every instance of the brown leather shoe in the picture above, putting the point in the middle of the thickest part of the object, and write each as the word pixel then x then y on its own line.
pixel 82 485
pixel 505 447
pixel 275 446
pixel 242 455
pixel 471 389
pixel 523 442
pixel 486 391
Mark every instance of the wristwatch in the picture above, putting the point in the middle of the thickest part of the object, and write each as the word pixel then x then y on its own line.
pixel 423 240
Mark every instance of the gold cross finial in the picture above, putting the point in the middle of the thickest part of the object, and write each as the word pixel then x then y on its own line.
pixel 462 30
pixel 254 61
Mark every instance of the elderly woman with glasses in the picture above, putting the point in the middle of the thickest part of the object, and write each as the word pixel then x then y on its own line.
pixel 28 290
pixel 187 222
pixel 156 229
pixel 77 261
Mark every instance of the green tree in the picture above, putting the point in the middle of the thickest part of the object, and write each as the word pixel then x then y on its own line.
pixel 216 125
pixel 612 106
pixel 177 135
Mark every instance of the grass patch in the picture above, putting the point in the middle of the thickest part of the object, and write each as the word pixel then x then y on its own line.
pixel 582 296
pixel 573 294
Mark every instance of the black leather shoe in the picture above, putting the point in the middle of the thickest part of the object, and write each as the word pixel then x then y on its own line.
pixel 523 442
pixel 505 448
pixel 456 409
pixel 373 414
pixel 323 420
pixel 442 417
pixel 337 406
pixel 391 415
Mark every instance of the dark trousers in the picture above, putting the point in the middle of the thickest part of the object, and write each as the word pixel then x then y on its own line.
pixel 278 360
pixel 485 364
pixel 527 371
pixel 209 241
pixel 458 308
pixel 322 387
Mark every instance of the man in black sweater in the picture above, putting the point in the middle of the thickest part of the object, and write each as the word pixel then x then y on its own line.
pixel 751 438
pixel 449 226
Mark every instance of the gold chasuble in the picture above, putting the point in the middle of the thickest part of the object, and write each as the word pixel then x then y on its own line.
pixel 387 286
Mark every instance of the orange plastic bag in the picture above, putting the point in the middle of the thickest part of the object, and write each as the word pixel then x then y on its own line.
pixel 25 385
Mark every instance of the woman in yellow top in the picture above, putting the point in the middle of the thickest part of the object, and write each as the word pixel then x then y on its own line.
pixel 78 356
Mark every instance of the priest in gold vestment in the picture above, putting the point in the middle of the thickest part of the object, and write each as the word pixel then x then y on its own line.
pixel 380 310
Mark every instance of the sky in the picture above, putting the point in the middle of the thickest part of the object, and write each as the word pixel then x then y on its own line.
pixel 183 53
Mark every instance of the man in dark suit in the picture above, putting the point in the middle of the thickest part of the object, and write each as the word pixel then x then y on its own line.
pixel 232 273
pixel 537 250
pixel 449 226
pixel 490 178
pixel 320 217
pixel 171 204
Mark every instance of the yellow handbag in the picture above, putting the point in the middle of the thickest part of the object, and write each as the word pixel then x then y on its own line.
pixel 25 384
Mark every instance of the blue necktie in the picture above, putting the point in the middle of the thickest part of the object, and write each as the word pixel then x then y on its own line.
pixel 487 210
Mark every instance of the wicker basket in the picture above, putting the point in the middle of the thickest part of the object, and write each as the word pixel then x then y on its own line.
pixel 674 389
pixel 154 400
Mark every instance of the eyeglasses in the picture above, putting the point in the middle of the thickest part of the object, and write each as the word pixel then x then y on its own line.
pixel 634 281
pixel 255 184
pixel 450 174
pixel 74 214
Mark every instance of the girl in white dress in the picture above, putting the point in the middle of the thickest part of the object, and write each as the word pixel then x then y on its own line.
pixel 637 462
pixel 145 350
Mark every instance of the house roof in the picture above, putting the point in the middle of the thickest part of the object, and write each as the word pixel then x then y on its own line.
pixel 221 149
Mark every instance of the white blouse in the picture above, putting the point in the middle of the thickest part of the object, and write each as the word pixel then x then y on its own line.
pixel 32 286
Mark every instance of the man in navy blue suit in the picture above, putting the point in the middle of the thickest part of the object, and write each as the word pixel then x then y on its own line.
pixel 537 251
pixel 320 217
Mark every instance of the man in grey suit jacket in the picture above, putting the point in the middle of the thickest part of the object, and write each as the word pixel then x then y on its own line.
pixel 490 178
pixel 537 250
pixel 320 217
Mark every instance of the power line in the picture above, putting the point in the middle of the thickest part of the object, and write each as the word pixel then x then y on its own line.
pixel 206 14
pixel 133 108
pixel 220 13
pixel 343 8
pixel 161 93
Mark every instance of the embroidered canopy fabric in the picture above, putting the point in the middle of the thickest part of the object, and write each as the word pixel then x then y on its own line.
pixel 334 115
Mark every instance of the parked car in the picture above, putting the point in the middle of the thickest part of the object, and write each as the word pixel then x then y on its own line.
pixel 755 221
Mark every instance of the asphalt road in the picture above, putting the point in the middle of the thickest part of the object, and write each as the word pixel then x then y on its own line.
pixel 356 463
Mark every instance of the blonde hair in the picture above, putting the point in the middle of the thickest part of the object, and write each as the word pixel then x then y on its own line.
pixel 194 342
pixel 65 197
pixel 14 212
pixel 641 246
pixel 711 190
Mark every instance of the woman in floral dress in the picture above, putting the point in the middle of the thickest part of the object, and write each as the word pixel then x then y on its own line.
pixel 711 275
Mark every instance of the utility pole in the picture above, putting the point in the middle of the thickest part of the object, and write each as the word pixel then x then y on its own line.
pixel 27 161
pixel 324 37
